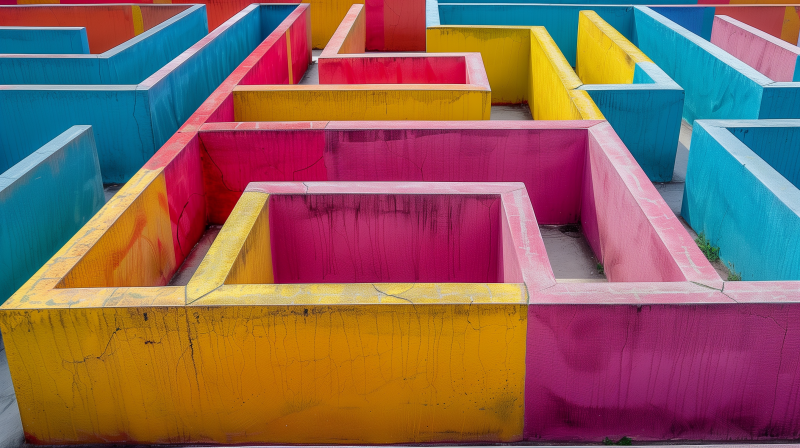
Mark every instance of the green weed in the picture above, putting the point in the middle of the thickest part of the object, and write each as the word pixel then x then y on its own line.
pixel 711 252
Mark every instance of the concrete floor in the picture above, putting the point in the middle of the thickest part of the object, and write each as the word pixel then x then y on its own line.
pixel 195 257
pixel 570 256
pixel 10 424
pixel 511 112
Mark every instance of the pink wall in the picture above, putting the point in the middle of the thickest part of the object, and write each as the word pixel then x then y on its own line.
pixel 393 69
pixel 547 157
pixel 662 372
pixel 357 238
pixel 770 55
pixel 232 159
pixel 395 25
pixel 629 227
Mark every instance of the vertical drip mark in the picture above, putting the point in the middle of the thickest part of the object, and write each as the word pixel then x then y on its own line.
pixel 289 55
pixel 138 23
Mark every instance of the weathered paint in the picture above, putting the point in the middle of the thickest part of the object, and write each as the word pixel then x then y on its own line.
pixel 741 191
pixel 717 85
pixel 128 62
pixel 131 121
pixel 553 83
pixel 43 40
pixel 44 200
pixel 646 114
pixel 343 61
pixel 661 365
pixel 399 371
pixel 362 102
pixel 547 157
pixel 604 56
pixel 771 56
pixel 136 247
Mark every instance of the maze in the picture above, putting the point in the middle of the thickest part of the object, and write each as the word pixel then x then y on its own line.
pixel 326 235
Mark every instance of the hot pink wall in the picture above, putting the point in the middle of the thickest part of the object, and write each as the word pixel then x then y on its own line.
pixel 548 161
pixel 770 55
pixel 395 69
pixel 356 238
pixel 662 372
pixel 231 160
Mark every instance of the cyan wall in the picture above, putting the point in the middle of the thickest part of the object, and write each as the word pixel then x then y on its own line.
pixel 43 40
pixel 128 63
pixel 44 200
pixel 646 116
pixel 742 203
pixel 130 121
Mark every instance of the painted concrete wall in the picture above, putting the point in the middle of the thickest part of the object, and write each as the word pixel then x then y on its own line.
pixel 717 85
pixel 43 40
pixel 343 61
pixel 771 56
pixel 385 238
pixel 741 191
pixel 129 62
pixel 393 25
pixel 130 122
pixel 646 114
pixel 44 200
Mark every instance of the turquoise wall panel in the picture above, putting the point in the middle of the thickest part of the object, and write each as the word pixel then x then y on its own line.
pixel 44 200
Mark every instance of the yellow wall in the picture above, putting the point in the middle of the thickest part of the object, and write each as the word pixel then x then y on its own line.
pixel 604 56
pixel 361 102
pixel 137 248
pixel 241 253
pixel 505 52
pixel 246 373
pixel 523 64
pixel 553 82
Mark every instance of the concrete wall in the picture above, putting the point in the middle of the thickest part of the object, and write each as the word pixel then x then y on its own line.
pixel 130 60
pixel 44 200
pixel 771 56
pixel 741 191
pixel 726 87
pixel 130 122
pixel 646 114
pixel 43 40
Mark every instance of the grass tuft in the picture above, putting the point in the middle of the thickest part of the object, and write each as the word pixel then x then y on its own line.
pixel 733 276
pixel 711 252
pixel 625 441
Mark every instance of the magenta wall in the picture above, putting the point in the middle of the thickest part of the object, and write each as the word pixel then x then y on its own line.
pixel 661 372
pixel 549 161
pixel 371 238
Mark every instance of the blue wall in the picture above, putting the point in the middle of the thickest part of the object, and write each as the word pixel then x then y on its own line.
pixel 44 200
pixel 717 85
pixel 130 122
pixel 43 40
pixel 698 20
pixel 740 202
pixel 128 63
pixel 646 116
